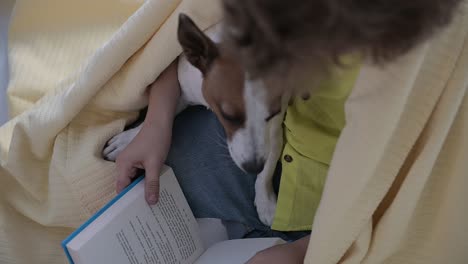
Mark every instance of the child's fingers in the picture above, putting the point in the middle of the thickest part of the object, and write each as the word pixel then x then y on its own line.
pixel 152 170
pixel 126 172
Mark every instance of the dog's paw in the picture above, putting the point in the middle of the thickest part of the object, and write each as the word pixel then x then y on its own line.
pixel 265 202
pixel 118 143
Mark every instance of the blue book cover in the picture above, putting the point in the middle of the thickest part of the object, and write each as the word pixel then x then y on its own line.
pixel 95 216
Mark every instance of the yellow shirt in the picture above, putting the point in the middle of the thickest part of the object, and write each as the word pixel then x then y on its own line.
pixel 311 130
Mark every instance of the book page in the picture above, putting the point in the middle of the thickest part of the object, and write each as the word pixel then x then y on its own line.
pixel 237 251
pixel 132 232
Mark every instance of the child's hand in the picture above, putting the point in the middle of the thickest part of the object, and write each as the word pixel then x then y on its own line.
pixel 147 151
pixel 150 147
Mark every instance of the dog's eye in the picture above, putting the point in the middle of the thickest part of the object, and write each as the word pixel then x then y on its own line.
pixel 275 113
pixel 236 120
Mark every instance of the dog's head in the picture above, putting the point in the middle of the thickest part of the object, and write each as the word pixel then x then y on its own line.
pixel 244 107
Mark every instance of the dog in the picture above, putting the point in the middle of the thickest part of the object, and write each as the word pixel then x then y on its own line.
pixel 209 74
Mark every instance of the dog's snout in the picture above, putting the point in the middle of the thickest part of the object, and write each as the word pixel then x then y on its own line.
pixel 254 166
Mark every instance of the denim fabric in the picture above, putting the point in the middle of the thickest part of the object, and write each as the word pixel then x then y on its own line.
pixel 213 185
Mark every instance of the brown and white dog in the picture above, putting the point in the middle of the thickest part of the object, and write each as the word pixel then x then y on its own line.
pixel 210 74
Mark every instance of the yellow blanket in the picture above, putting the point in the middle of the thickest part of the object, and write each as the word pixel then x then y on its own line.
pixel 79 71
pixel 395 190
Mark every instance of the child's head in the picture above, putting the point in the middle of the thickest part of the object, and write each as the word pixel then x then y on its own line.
pixel 274 35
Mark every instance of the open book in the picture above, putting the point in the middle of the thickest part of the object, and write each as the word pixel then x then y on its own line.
pixel 129 231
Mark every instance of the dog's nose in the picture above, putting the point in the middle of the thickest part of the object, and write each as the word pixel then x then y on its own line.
pixel 254 166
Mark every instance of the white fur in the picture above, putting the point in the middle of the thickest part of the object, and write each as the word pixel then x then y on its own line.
pixel 251 142
pixel 263 139
pixel 265 197
pixel 119 142
pixel 258 139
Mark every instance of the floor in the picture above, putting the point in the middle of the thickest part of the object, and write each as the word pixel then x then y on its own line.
pixel 5 10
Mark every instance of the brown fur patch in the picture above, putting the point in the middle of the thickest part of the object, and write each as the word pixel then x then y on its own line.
pixel 223 88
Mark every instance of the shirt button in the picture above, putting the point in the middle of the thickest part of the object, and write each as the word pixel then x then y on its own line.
pixel 288 158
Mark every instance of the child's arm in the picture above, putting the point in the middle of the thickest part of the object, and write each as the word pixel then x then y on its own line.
pixel 149 148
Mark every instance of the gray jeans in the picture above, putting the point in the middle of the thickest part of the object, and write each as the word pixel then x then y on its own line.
pixel 213 185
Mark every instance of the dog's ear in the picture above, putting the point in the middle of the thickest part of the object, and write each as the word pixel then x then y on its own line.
pixel 198 48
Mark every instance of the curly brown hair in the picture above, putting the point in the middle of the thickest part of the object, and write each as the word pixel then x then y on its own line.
pixel 269 33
